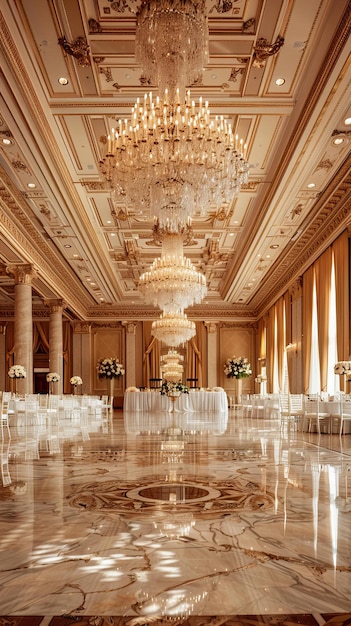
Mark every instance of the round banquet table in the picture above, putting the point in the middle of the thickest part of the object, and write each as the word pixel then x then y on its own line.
pixel 192 401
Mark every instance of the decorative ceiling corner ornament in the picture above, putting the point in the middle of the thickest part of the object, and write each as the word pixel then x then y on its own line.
pixel 249 26
pixel 94 26
pixel 235 72
pixel 263 50
pixel 79 49
pixel 106 71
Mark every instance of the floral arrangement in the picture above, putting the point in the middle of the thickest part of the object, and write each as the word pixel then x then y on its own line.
pixel 237 367
pixel 53 377
pixel 342 367
pixel 169 388
pixel 109 368
pixel 133 389
pixel 217 388
pixel 17 371
pixel 76 380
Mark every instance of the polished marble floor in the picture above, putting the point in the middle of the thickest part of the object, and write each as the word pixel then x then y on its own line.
pixel 196 518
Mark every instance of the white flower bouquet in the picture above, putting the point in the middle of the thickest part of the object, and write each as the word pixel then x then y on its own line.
pixel 53 377
pixel 76 381
pixel 109 368
pixel 17 371
pixel 237 367
pixel 169 388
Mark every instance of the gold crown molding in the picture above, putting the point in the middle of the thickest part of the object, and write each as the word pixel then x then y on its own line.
pixel 46 261
pixel 81 328
pixel 329 222
pixel 343 33
pixel 20 75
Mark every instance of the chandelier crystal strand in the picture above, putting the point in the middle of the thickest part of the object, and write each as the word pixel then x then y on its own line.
pixel 173 328
pixel 188 161
pixel 172 42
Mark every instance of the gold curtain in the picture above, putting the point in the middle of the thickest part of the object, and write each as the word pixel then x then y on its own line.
pixel 342 260
pixel 66 354
pixel 151 364
pixel 270 349
pixel 40 336
pixel 280 339
pixel 288 334
pixel 193 357
pixel 323 275
pixel 307 323
pixel 10 350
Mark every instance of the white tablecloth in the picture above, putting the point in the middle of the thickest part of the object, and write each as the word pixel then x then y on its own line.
pixel 192 401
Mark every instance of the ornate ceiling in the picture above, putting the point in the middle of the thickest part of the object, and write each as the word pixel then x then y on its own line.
pixel 90 252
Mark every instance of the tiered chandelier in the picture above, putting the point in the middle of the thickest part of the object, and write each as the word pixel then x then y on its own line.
pixel 172 159
pixel 173 328
pixel 172 368
pixel 172 282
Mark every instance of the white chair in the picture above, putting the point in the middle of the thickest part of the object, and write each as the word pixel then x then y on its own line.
pixel 5 440
pixel 345 411
pixel 313 416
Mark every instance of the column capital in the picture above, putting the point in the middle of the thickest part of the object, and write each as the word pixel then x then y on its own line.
pixel 130 326
pixel 56 305
pixel 23 273
pixel 212 327
pixel 81 328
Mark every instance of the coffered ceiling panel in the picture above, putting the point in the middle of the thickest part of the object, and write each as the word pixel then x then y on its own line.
pixel 278 70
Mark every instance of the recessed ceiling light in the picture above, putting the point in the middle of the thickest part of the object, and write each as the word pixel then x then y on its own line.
pixel 109 222
pixel 6 141
pixel 347 122
pixel 338 141
pixel 311 185
pixel 231 234
pixel 31 185
pixel 274 246
pixel 268 256
pixel 127 75
pixel 280 81
pixel 213 76
pixel 67 245
pixel 93 283
pixel 113 234
pixel 63 80
pixel 75 256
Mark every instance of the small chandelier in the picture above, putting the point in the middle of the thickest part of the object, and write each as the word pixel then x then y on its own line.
pixel 172 42
pixel 172 282
pixel 173 329
pixel 172 369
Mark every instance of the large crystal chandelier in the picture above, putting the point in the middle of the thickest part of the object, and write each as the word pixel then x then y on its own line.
pixel 172 42
pixel 172 282
pixel 187 161
pixel 173 328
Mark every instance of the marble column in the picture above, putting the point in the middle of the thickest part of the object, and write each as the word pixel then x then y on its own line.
pixel 212 375
pixel 23 327
pixel 130 354
pixel 56 341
